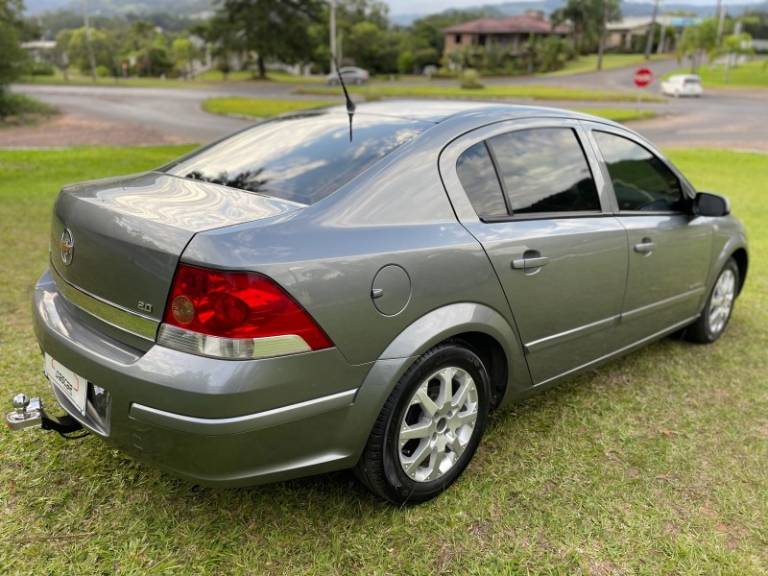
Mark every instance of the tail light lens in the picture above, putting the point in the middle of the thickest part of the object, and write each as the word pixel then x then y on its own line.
pixel 235 315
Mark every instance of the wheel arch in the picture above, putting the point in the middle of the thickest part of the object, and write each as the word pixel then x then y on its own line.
pixel 742 260
pixel 479 326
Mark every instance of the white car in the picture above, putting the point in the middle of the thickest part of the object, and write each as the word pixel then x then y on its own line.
pixel 682 85
pixel 351 75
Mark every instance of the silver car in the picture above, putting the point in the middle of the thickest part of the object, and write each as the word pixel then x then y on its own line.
pixel 288 302
pixel 350 74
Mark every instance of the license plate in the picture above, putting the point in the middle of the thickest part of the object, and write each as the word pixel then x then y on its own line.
pixel 72 385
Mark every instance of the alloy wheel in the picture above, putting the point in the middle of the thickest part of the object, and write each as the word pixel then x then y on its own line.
pixel 722 301
pixel 438 423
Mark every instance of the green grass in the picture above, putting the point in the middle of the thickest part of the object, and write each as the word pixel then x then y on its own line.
pixel 205 79
pixel 259 107
pixel 514 91
pixel 750 75
pixel 588 63
pixel 654 464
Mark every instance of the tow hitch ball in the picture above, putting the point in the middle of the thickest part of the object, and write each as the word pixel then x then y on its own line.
pixel 29 412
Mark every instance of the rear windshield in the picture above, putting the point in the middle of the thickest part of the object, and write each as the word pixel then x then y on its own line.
pixel 301 158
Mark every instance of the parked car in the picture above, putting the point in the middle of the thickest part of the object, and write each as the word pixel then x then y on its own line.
pixel 682 85
pixel 350 74
pixel 288 302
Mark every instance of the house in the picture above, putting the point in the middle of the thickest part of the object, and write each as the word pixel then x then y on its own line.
pixel 512 32
pixel 39 50
pixel 628 34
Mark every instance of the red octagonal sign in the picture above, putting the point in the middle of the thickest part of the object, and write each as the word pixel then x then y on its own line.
pixel 643 77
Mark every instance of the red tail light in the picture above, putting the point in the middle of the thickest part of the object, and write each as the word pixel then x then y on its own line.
pixel 239 306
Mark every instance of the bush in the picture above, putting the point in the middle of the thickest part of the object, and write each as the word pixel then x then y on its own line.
pixel 103 72
pixel 19 105
pixel 470 80
pixel 39 68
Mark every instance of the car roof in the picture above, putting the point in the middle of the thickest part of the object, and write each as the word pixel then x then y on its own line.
pixel 436 111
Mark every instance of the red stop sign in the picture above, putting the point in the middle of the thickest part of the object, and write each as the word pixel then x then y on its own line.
pixel 643 77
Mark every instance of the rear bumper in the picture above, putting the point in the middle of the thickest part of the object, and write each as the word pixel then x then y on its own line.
pixel 209 420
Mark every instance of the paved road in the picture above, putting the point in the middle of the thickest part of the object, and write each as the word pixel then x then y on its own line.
pixel 723 118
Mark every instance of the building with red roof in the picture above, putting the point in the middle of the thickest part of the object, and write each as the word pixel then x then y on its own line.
pixel 510 33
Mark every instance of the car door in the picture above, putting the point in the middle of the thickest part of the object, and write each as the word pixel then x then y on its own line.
pixel 669 250
pixel 531 194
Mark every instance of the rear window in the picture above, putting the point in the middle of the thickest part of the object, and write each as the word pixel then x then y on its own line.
pixel 302 158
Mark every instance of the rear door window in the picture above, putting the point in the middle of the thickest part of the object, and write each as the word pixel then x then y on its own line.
pixel 303 158
pixel 544 170
pixel 478 178
pixel 641 181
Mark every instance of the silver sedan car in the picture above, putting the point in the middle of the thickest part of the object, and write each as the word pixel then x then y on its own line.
pixel 288 302
pixel 350 75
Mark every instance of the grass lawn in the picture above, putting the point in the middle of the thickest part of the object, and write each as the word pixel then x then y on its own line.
pixel 655 464
pixel 207 78
pixel 750 75
pixel 513 91
pixel 588 63
pixel 259 107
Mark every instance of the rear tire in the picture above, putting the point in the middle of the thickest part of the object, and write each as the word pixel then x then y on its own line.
pixel 413 454
pixel 719 307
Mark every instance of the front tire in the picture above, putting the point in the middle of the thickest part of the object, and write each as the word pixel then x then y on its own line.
pixel 429 427
pixel 719 307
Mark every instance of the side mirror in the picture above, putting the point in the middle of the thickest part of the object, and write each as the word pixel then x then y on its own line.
pixel 712 205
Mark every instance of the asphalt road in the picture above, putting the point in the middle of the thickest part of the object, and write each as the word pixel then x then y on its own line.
pixel 722 118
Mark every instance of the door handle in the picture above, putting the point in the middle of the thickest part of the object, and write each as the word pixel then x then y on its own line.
pixel 530 260
pixel 646 246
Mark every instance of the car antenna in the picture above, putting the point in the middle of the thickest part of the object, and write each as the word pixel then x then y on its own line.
pixel 350 104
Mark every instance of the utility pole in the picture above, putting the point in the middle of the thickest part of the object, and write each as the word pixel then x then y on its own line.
pixel 88 43
pixel 651 31
pixel 332 27
pixel 720 21
pixel 601 44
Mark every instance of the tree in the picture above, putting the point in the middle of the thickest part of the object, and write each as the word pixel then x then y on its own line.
pixel 588 19
pixel 733 46
pixel 697 41
pixel 273 29
pixel 11 55
pixel 72 49
pixel 373 48
pixel 224 42
pixel 183 55
pixel 610 12
pixel 349 13
pixel 143 44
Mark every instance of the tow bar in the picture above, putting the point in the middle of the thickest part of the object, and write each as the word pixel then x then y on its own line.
pixel 29 413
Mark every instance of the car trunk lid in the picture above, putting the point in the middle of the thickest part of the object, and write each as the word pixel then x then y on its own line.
pixel 119 240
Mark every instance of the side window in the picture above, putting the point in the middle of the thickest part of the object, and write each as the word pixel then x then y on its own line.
pixel 641 181
pixel 478 177
pixel 544 170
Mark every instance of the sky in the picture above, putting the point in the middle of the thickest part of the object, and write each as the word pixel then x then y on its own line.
pixel 422 6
